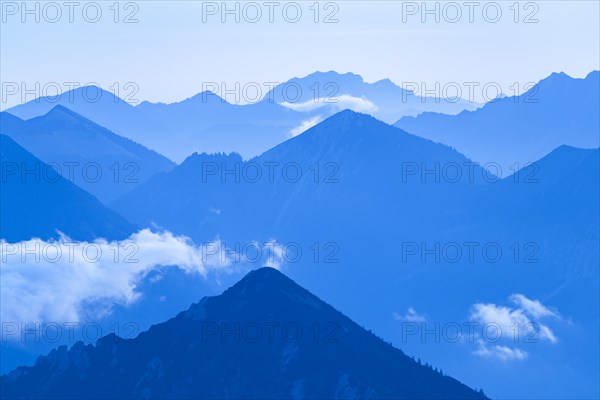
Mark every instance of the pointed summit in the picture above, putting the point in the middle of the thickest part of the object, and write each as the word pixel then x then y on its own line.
pixel 60 112
pixel 523 128
pixel 245 343
pixel 64 136
pixel 267 282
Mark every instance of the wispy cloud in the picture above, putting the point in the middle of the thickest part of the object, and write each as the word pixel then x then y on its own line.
pixel 410 316
pixel 503 353
pixel 304 125
pixel 519 324
pixel 345 101
pixel 532 307
pixel 64 280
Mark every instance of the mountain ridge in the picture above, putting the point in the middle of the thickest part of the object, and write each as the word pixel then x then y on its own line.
pixel 98 160
pixel 154 366
pixel 557 110
pixel 29 206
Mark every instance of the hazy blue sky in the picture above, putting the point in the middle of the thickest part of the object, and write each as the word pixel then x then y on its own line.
pixel 170 52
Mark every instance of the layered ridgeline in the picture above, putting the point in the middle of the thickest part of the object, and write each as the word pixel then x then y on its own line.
pixel 214 120
pixel 380 212
pixel 203 122
pixel 558 110
pixel 265 337
pixel 38 202
pixel 103 163
pixel 353 174
pixel 100 106
pixel 349 162
pixel 330 92
pixel 557 195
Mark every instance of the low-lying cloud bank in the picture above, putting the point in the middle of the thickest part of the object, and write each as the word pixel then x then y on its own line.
pixel 54 280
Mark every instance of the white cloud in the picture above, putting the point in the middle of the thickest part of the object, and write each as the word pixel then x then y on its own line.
pixel 516 323
pixel 304 125
pixel 509 322
pixel 345 101
pixel 532 307
pixel 546 333
pixel 503 353
pixel 276 254
pixel 410 316
pixel 65 280
pixel 520 324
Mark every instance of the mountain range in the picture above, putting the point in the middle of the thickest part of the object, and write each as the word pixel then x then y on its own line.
pixel 240 344
pixel 94 158
pixel 36 202
pixel 206 122
pixel 380 189
pixel 351 192
pixel 518 130
pixel 347 161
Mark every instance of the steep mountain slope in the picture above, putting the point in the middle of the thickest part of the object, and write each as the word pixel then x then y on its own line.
pixel 36 202
pixel 240 344
pixel 558 110
pixel 363 209
pixel 554 203
pixel 563 185
pixel 102 107
pixel 9 122
pixel 92 157
pixel 324 175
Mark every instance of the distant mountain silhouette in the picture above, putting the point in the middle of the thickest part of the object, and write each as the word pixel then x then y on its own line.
pixel 209 123
pixel 9 122
pixel 364 211
pixel 361 207
pixel 558 110
pixel 566 176
pixel 382 99
pixel 554 201
pixel 100 106
pixel 239 345
pixel 346 162
pixel 36 202
pixel 204 122
pixel 94 158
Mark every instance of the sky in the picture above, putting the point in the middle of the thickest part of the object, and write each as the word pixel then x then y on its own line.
pixel 168 51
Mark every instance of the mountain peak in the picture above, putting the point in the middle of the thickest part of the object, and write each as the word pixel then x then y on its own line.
pixel 266 276
pixel 556 78
pixel 208 96
pixel 265 273
pixel 94 93
pixel 62 110
pixel 265 281
pixel 348 117
pixel 593 75
pixel 247 351
pixel 332 73
pixel 565 154
pixel 342 79
pixel 64 116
